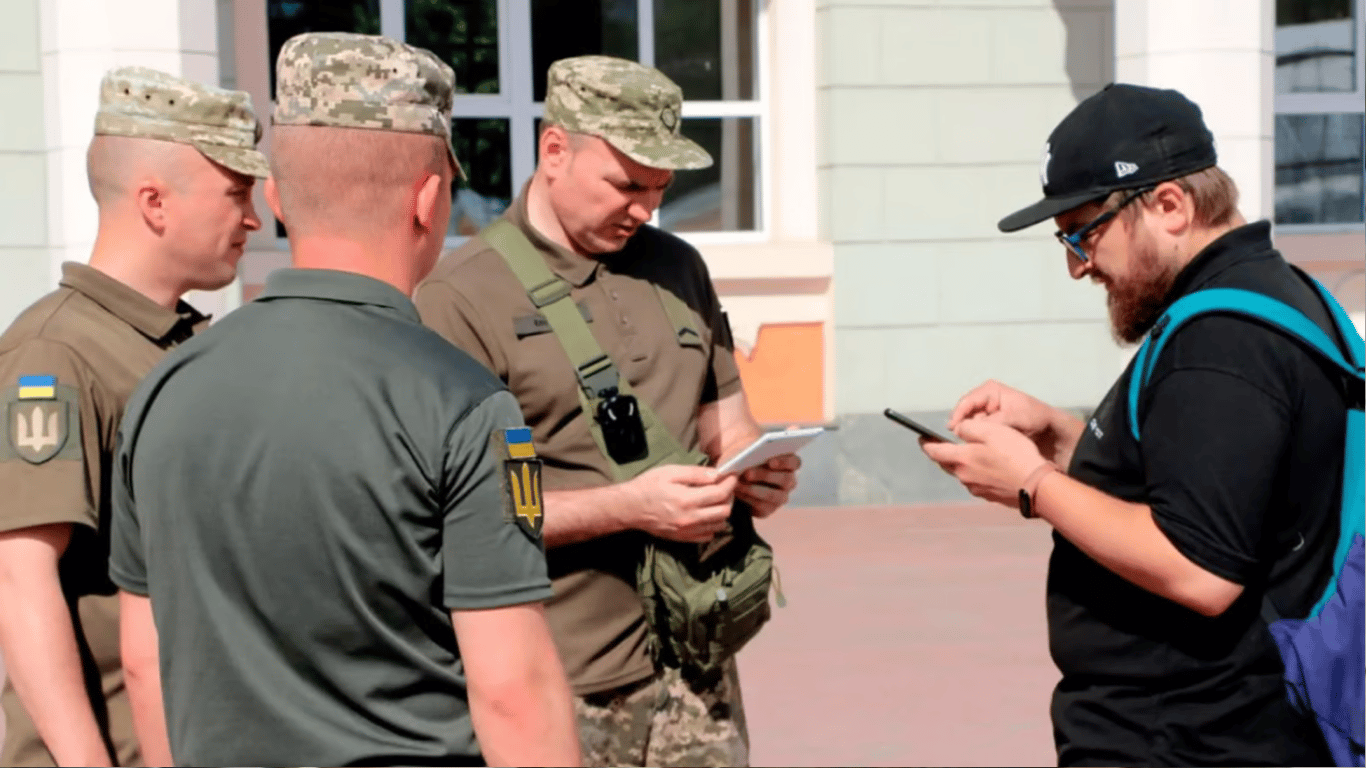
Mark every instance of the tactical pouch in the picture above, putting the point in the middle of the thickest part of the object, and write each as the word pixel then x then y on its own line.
pixel 706 602
pixel 702 603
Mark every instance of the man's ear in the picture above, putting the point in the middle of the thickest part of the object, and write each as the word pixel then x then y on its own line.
pixel 1174 208
pixel 555 148
pixel 273 198
pixel 428 194
pixel 151 201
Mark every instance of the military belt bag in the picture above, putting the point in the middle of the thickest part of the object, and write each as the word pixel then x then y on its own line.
pixel 702 602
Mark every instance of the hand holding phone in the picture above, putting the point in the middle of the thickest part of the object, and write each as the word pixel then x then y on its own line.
pixel 919 428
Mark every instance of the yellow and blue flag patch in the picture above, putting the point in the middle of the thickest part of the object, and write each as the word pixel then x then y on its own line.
pixel 518 440
pixel 37 387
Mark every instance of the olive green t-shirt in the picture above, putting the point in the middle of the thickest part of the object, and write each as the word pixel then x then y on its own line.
pixel 473 299
pixel 68 364
pixel 306 490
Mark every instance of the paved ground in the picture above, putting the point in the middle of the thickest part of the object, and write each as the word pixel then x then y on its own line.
pixel 912 636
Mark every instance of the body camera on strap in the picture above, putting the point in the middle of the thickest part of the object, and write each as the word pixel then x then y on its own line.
pixel 703 603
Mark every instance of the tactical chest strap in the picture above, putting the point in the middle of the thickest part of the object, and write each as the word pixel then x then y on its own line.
pixel 595 370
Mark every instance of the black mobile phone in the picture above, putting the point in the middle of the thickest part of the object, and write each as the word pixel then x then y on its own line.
pixel 924 431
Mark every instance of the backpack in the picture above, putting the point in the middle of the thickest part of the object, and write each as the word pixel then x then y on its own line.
pixel 1325 668
pixel 702 602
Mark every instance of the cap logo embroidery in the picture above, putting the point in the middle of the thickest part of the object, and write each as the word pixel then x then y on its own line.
pixel 1123 169
pixel 1043 163
pixel 669 118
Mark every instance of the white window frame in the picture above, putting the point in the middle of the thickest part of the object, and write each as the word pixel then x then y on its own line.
pixel 1346 102
pixel 514 101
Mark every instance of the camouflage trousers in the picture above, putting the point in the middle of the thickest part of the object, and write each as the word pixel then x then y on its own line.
pixel 665 720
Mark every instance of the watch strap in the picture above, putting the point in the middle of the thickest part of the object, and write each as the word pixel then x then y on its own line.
pixel 1031 485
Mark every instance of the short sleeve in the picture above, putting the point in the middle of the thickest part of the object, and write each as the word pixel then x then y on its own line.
pixel 1212 446
pixel 50 418
pixel 724 374
pixel 127 558
pixel 491 548
pixel 443 310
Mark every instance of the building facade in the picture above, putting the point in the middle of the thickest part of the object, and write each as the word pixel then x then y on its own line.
pixel 865 150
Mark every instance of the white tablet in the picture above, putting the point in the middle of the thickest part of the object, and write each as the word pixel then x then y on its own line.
pixel 769 445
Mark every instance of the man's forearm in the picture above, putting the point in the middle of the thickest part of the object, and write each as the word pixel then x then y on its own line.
pixel 534 726
pixel 589 513
pixel 142 676
pixel 44 665
pixel 1124 538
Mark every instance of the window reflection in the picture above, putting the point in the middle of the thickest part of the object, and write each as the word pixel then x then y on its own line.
pixel 461 33
pixel 707 47
pixel 563 29
pixel 484 152
pixel 723 197
pixel 1319 169
pixel 1315 46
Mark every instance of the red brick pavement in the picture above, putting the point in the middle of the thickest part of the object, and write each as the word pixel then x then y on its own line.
pixel 912 636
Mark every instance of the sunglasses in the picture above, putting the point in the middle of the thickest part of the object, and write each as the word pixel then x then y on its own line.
pixel 1073 241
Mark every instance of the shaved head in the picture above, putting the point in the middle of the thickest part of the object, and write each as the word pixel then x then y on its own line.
pixel 350 181
pixel 117 165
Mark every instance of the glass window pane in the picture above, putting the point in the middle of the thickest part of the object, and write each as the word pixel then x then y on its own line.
pixel 1315 46
pixel 708 48
pixel 725 196
pixel 287 18
pixel 1319 169
pixel 560 30
pixel 485 154
pixel 464 34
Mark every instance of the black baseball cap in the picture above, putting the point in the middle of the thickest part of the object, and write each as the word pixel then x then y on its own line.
pixel 1123 137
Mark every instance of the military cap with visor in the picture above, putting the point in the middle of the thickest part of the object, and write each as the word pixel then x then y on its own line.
pixel 635 108
pixel 348 80
pixel 143 103
pixel 1124 137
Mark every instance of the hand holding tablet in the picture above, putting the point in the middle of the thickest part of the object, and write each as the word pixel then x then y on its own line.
pixel 768 446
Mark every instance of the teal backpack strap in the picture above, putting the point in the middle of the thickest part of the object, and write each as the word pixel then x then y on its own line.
pixel 1249 304
pixel 597 374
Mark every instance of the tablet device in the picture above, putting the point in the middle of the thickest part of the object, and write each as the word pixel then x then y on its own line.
pixel 921 429
pixel 769 445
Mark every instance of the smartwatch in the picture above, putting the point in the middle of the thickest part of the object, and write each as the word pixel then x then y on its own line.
pixel 1031 485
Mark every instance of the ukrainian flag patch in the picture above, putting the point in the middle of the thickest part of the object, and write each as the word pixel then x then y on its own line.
pixel 518 441
pixel 37 387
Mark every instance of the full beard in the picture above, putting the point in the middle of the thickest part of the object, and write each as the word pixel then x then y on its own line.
pixel 1136 302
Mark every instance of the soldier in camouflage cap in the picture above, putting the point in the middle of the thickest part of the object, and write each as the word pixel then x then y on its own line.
pixel 348 80
pixel 633 107
pixel 357 458
pixel 143 103
pixel 579 229
pixel 171 166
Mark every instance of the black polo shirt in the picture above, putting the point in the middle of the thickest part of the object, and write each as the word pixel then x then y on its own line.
pixel 305 491
pixel 1240 460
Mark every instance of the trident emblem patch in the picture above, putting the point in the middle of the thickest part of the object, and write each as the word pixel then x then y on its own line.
pixel 38 430
pixel 522 480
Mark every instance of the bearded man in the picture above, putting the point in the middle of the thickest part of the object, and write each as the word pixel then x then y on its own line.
pixel 1166 547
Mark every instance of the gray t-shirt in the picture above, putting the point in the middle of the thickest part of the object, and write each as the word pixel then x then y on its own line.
pixel 304 491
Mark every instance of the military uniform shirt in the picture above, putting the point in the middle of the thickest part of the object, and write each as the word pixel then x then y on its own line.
pixel 474 300
pixel 305 491
pixel 67 367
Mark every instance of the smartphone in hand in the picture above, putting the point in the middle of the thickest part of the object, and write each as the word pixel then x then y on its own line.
pixel 921 429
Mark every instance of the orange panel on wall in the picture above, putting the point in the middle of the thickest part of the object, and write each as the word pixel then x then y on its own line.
pixel 784 376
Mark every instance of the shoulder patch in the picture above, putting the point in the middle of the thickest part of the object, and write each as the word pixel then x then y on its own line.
pixel 42 421
pixel 523 502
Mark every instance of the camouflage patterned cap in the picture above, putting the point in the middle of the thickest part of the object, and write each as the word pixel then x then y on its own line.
pixel 347 80
pixel 146 103
pixel 633 107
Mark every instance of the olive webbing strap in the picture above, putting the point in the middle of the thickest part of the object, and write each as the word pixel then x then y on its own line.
pixel 595 370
